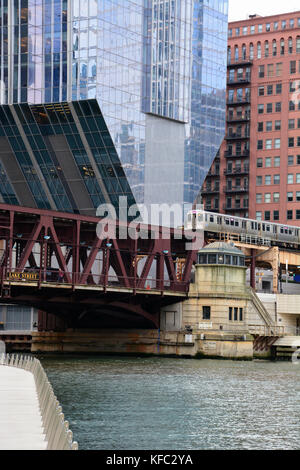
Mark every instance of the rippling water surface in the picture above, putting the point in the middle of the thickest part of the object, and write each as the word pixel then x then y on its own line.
pixel 118 403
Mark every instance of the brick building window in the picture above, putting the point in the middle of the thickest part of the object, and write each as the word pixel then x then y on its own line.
pixel 292 66
pixel 261 71
pixel 291 123
pixel 277 162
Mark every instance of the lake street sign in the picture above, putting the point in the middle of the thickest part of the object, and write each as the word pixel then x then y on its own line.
pixel 23 276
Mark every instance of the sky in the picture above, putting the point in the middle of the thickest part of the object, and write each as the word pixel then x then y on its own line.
pixel 241 9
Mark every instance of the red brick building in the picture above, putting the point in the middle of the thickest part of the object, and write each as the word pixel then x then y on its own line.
pixel 257 171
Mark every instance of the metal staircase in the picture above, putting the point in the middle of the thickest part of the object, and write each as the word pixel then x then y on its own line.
pixel 261 309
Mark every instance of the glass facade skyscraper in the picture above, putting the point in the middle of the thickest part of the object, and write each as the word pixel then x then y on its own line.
pixel 102 98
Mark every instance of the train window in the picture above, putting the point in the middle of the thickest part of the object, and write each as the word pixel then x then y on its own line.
pixel 232 222
pixel 296 232
pixel 263 227
pixel 219 220
pixel 211 219
pixel 252 225
pixel 281 230
pixel 268 228
pixel 290 232
pixel 227 221
pixel 241 261
pixel 237 223
pixel 259 227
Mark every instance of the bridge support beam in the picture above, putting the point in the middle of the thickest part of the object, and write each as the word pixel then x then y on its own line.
pixel 272 257
pixel 264 257
pixel 46 247
pixel 252 270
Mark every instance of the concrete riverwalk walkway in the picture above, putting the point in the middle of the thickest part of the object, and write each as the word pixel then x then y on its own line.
pixel 21 425
pixel 31 417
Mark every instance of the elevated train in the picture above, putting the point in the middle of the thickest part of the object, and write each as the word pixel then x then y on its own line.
pixel 251 231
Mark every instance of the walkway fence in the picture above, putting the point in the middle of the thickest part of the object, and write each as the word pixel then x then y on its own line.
pixel 259 330
pixel 56 429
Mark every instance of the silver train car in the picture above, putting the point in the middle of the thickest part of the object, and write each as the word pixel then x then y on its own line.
pixel 253 231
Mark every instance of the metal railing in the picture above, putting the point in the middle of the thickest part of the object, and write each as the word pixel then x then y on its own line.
pixel 239 60
pixel 291 330
pixel 69 279
pixel 265 330
pixel 236 189
pixel 239 170
pixel 261 309
pixel 241 328
pixel 57 433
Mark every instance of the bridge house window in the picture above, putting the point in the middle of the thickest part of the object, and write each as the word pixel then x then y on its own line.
pixel 236 314
pixel 206 313
pixel 236 310
pixel 212 259
pixel 241 314
pixel 222 259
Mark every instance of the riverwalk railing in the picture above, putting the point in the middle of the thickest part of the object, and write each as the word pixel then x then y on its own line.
pixel 266 330
pixel 57 433
pixel 242 329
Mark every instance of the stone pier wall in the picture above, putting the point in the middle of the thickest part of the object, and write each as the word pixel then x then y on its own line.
pixel 145 342
pixel 113 341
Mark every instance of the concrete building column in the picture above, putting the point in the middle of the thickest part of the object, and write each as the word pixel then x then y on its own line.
pixel 252 270
pixel 272 258
pixel 275 268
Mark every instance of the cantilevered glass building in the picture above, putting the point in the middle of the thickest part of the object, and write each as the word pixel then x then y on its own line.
pixel 108 98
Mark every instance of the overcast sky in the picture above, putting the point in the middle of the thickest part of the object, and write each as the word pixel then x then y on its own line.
pixel 241 9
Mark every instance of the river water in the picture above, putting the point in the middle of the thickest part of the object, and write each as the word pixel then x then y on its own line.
pixel 121 403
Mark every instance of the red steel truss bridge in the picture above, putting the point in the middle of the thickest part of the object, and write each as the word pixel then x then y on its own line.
pixel 56 262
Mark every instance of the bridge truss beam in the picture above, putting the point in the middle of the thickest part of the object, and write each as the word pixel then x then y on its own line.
pixel 44 247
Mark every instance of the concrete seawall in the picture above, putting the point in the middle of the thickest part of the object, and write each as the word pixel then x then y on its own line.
pixel 151 342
